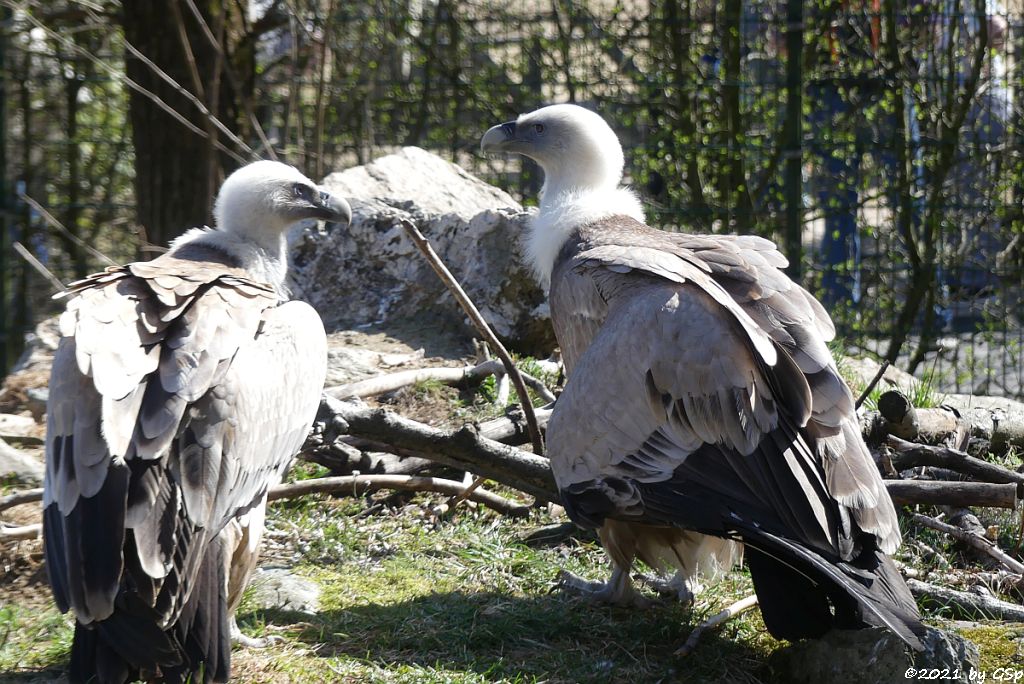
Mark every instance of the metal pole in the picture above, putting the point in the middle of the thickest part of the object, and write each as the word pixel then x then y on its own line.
pixel 793 150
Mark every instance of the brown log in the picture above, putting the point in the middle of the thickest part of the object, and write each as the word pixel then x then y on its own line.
pixel 356 485
pixel 945 493
pixel 907 455
pixel 965 605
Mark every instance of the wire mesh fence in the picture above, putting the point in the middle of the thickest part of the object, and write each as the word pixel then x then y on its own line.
pixel 879 142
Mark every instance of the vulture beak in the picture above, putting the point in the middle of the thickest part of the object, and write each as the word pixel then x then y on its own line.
pixel 332 209
pixel 499 138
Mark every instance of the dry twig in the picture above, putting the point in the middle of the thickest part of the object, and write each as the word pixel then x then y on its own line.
pixel 871 385
pixel 474 315
pixel 741 606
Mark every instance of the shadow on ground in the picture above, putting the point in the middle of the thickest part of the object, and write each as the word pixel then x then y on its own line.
pixel 551 639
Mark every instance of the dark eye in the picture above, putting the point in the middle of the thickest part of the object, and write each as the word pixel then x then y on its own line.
pixel 302 191
pixel 538 127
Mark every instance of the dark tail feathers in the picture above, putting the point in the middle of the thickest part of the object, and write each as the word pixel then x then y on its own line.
pixel 130 644
pixel 803 595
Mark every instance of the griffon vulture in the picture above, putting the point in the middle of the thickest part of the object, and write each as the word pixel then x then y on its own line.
pixel 180 392
pixel 702 408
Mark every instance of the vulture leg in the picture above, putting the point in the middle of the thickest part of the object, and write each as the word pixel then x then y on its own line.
pixel 685 591
pixel 243 535
pixel 618 590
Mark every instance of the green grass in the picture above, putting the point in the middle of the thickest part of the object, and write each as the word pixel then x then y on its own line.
pixel 409 598
pixel 32 639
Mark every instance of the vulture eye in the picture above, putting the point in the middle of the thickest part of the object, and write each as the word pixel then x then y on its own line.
pixel 302 192
pixel 538 127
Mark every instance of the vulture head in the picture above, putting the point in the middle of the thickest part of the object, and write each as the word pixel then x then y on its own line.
pixel 265 198
pixel 255 207
pixel 574 146
pixel 582 161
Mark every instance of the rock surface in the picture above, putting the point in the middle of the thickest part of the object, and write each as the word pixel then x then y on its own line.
pixel 372 274
pixel 18 466
pixel 281 589
pixel 870 656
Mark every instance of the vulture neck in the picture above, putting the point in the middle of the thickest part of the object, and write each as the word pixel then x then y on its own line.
pixel 261 254
pixel 563 209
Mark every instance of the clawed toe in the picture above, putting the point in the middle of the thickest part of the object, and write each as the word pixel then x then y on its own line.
pixel 245 641
pixel 616 591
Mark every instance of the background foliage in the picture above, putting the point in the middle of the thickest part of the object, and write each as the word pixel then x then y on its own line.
pixel 900 119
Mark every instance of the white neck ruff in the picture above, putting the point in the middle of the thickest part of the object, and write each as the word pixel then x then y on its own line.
pixel 562 212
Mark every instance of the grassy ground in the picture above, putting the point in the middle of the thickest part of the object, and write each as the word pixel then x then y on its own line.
pixel 410 593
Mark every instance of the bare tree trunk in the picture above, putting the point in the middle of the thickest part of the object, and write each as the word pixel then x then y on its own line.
pixel 174 174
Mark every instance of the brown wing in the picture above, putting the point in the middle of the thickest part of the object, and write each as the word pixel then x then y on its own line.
pixel 166 420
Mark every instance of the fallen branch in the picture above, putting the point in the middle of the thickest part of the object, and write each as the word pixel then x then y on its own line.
pixel 952 493
pixel 907 455
pixel 975 541
pixel 741 606
pixel 481 325
pixel 22 497
pixel 33 531
pixel 965 605
pixel 464 448
pixel 360 484
pixel 390 382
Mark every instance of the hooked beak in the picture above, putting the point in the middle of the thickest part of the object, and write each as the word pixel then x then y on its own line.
pixel 332 209
pixel 499 138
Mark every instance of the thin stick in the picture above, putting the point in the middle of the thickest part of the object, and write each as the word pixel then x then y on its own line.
pixel 49 218
pixel 22 497
pixel 741 606
pixel 975 541
pixel 359 484
pixel 481 325
pixel 871 385
pixel 467 492
pixel 34 263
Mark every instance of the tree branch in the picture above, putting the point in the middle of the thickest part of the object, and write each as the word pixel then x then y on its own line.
pixel 355 485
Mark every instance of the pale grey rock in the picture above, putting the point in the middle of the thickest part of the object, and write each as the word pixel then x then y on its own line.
pixel 871 656
pixel 371 274
pixel 281 589
pixel 862 370
pixel 18 466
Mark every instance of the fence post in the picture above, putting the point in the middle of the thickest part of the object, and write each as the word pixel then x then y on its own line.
pixel 793 148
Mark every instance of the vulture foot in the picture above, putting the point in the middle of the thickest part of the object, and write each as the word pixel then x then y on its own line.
pixel 245 641
pixel 675 587
pixel 618 590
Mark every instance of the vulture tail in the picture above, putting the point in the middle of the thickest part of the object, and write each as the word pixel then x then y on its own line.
pixel 130 643
pixel 803 595
pixel 203 627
